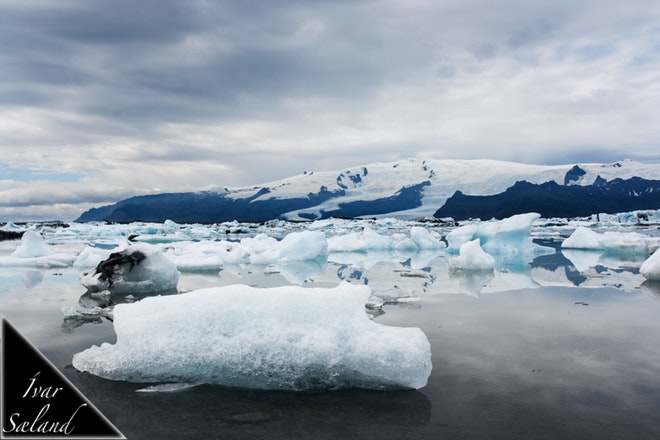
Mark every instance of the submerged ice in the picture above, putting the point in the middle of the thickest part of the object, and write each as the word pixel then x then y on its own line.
pixel 268 338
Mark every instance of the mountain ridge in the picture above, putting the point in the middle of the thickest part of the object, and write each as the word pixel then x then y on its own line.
pixel 409 189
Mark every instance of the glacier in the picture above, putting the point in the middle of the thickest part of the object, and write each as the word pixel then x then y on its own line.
pixel 287 337
pixel 409 189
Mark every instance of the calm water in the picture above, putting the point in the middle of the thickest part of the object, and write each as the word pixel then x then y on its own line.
pixel 547 360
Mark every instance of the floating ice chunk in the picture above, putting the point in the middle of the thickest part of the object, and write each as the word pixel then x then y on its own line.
pixel 32 245
pixel 140 268
pixel 461 235
pixel 201 255
pixel 364 241
pixel 167 387
pixel 353 242
pixel 302 246
pixel 650 269
pixel 626 242
pixel 274 338
pixel 370 240
pixel 510 235
pixel 473 257
pixel 610 241
pixel 425 239
pixel 34 252
pixel 582 238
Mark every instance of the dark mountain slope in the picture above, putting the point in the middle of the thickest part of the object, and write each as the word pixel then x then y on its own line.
pixel 552 200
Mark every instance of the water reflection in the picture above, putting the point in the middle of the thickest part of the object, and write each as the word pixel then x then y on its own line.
pixel 32 277
pixel 97 307
pixel 216 412
pixel 651 289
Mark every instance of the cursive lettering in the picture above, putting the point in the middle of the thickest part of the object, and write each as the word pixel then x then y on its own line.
pixel 40 423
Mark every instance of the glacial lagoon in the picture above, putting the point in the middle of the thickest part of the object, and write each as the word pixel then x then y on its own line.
pixel 563 346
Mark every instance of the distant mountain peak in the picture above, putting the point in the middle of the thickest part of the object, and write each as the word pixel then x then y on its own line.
pixel 410 188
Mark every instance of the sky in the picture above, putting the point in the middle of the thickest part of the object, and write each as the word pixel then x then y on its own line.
pixel 103 100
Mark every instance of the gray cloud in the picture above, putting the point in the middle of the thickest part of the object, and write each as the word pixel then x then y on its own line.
pixel 129 93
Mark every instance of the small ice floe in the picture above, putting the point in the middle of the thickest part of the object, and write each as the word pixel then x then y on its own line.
pixel 167 387
pixel 611 241
pixel 83 314
pixel 33 251
pixel 393 296
pixel 472 257
pixel 290 337
pixel 140 268
pixel 650 269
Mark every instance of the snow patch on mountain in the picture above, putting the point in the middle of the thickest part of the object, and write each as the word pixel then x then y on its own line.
pixel 475 177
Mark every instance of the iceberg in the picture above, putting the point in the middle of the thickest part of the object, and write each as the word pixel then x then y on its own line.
pixel 473 257
pixel 369 240
pixel 509 240
pixel 510 235
pixel 425 239
pixel 287 338
pixel 261 249
pixel 650 269
pixel 611 241
pixel 140 268
pixel 34 252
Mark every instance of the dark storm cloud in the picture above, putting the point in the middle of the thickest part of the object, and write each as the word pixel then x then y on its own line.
pixel 124 57
pixel 164 93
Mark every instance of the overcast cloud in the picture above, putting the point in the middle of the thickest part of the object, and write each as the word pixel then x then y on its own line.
pixel 102 100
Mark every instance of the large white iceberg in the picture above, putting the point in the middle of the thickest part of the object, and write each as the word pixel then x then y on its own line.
pixel 140 268
pixel 272 338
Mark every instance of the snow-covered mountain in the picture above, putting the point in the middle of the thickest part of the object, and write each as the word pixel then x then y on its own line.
pixel 411 189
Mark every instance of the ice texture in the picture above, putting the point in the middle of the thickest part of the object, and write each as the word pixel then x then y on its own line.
pixel 472 257
pixel 290 337
pixel 650 269
pixel 140 268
